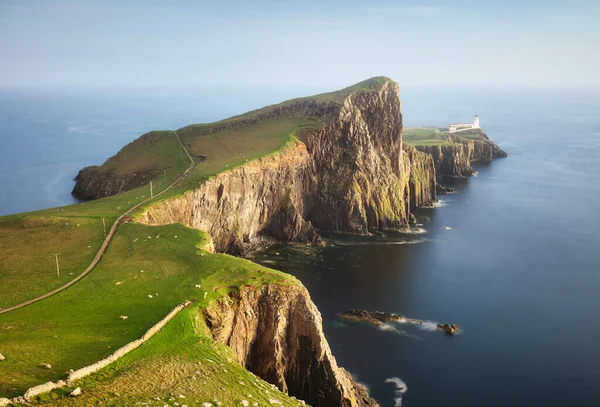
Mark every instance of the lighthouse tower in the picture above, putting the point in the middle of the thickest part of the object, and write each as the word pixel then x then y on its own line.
pixel 476 122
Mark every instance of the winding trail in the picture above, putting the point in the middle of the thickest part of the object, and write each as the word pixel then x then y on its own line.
pixel 107 240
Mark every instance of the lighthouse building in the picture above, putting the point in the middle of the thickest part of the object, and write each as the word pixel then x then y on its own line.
pixel 453 128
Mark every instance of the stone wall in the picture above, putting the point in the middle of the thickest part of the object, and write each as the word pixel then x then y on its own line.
pixel 88 370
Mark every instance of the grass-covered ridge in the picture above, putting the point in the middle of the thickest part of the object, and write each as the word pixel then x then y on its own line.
pixel 145 272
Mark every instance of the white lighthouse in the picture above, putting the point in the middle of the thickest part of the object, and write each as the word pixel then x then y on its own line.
pixel 453 128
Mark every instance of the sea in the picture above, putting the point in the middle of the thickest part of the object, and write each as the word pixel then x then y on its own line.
pixel 513 257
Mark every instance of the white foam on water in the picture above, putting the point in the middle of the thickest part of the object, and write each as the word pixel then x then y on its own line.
pixel 428 326
pixel 339 243
pixel 401 388
pixel 386 327
pixel 439 203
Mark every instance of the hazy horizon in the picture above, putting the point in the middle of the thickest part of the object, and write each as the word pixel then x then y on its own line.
pixel 321 45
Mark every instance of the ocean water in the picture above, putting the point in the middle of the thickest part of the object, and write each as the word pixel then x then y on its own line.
pixel 519 270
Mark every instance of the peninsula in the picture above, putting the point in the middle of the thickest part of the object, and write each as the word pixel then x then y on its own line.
pixel 164 314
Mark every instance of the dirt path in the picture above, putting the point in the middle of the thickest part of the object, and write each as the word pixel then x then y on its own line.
pixel 107 240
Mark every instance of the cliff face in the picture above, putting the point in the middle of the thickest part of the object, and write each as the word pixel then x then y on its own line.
pixel 450 160
pixel 455 159
pixel 422 181
pixel 266 195
pixel 351 175
pixel 276 333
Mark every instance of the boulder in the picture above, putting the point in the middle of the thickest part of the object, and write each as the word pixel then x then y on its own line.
pixel 76 392
pixel 448 329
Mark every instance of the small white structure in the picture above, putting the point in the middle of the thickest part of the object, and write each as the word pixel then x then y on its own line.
pixel 453 128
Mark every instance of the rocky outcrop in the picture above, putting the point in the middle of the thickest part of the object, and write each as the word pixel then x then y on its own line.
pixel 350 175
pixel 276 332
pixel 454 158
pixel 448 329
pixel 96 182
pixel 378 318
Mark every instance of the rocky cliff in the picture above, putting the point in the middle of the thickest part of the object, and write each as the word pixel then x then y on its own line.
pixel 276 332
pixel 454 159
pixel 350 175
pixel 264 196
pixel 422 180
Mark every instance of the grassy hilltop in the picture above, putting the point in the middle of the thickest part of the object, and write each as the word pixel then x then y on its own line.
pixel 145 272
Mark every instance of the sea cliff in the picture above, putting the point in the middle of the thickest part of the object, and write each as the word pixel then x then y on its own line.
pixel 344 169
pixel 276 332
pixel 454 157
pixel 352 174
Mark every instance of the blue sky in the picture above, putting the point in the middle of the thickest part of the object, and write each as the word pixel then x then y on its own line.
pixel 326 43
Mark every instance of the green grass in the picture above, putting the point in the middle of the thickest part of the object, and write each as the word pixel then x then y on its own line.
pixel 81 325
pixel 179 360
pixel 27 260
pixel 475 134
pixel 32 240
pixel 424 136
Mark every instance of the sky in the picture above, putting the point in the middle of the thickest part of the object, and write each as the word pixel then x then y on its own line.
pixel 245 43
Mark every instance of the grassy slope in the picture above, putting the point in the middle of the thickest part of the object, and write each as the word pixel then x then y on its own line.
pixel 179 360
pixel 426 136
pixel 27 260
pixel 81 325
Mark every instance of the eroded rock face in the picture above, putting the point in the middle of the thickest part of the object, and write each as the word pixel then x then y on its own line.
pixel 454 160
pixel 422 181
pixel 276 332
pixel 266 195
pixel 351 175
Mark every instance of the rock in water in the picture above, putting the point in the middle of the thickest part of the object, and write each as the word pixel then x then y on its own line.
pixel 448 329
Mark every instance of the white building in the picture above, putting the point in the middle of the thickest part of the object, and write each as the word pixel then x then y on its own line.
pixel 453 128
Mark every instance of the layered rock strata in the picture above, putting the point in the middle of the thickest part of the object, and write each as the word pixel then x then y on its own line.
pixel 455 159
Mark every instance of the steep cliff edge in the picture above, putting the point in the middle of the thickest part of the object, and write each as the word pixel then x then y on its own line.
pixel 349 174
pixel 454 153
pixel 276 332
pixel 422 180
pixel 265 195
